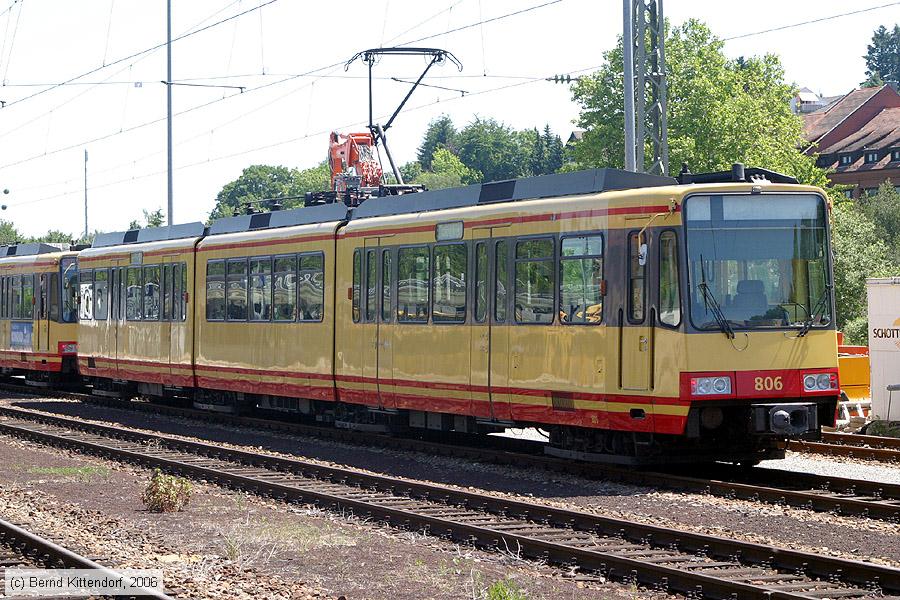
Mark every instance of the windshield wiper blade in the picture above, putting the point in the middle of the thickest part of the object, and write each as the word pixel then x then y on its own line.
pixel 820 306
pixel 716 310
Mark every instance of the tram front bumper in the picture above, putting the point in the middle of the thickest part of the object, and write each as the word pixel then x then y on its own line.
pixel 794 418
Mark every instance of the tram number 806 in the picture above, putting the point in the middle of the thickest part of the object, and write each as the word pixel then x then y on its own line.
pixel 768 384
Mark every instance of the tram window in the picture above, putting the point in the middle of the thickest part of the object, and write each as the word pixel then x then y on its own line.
pixel 356 282
pixel 501 280
pixel 669 293
pixel 151 293
pixel 636 275
pixel 133 294
pixel 28 297
pixel 101 294
pixel 481 282
pixel 182 292
pixel 261 289
pixel 412 284
pixel 285 288
pixel 449 283
pixel 167 292
pixel 86 294
pixel 3 298
pixel 371 285
pixel 177 292
pixel 581 280
pixel 236 290
pixel 123 293
pixel 215 291
pixel 386 285
pixel 311 286
pixel 53 299
pixel 534 281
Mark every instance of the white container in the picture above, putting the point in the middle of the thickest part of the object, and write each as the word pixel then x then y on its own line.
pixel 884 346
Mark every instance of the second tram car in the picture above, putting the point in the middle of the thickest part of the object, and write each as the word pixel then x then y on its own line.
pixel 635 318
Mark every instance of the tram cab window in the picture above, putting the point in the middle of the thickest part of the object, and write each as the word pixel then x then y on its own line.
pixel 636 277
pixel 133 294
pixel 285 288
pixel 449 283
pixel 86 295
pixel 101 294
pixel 311 287
pixel 261 288
pixel 182 291
pixel 669 291
pixel 534 295
pixel 151 293
pixel 54 296
pixel 69 276
pixel 413 271
pixel 236 290
pixel 581 280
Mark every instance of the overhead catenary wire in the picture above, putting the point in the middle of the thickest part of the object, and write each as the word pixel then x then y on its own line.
pixel 12 43
pixel 305 136
pixel 140 53
pixel 810 22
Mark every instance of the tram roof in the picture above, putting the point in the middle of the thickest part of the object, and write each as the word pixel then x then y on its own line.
pixel 589 181
pixel 32 249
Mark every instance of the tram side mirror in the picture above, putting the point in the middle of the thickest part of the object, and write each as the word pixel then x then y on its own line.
pixel 602 287
pixel 642 255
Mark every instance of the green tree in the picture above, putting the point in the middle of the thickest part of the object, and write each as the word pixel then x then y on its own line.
pixel 883 209
pixel 494 149
pixel 8 233
pixel 54 236
pixel 859 252
pixel 720 111
pixel 538 154
pixel 266 182
pixel 441 133
pixel 883 56
pixel 447 171
pixel 555 151
pixel 152 218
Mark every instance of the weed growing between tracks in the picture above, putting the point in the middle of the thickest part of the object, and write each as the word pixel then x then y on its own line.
pixel 167 493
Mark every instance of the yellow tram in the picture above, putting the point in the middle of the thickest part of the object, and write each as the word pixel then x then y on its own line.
pixel 38 311
pixel 635 318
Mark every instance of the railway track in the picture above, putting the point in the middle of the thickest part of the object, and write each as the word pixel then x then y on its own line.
pixel 851 445
pixel 657 557
pixel 805 490
pixel 24 550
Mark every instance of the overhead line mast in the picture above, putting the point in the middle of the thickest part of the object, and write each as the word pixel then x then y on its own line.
pixel 645 86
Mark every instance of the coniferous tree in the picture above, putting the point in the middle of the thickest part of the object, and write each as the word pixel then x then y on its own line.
pixel 440 134
pixel 883 57
pixel 538 155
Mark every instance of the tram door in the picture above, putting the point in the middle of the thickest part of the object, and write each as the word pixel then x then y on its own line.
pixel 167 311
pixel 377 314
pixel 42 312
pixel 635 323
pixel 490 336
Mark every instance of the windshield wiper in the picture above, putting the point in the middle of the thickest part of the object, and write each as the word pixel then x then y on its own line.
pixel 814 313
pixel 712 305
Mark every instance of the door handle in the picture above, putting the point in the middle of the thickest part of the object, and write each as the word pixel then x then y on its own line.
pixel 642 343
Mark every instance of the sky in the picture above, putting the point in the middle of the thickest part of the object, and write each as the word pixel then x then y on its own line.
pixel 283 86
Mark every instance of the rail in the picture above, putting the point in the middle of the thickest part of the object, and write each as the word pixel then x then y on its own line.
pixel 658 557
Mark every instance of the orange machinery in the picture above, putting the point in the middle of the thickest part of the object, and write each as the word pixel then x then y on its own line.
pixel 353 162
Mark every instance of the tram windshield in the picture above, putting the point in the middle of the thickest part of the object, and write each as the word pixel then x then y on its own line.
pixel 758 261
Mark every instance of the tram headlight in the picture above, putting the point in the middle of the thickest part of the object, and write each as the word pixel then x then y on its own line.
pixel 710 386
pixel 820 382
